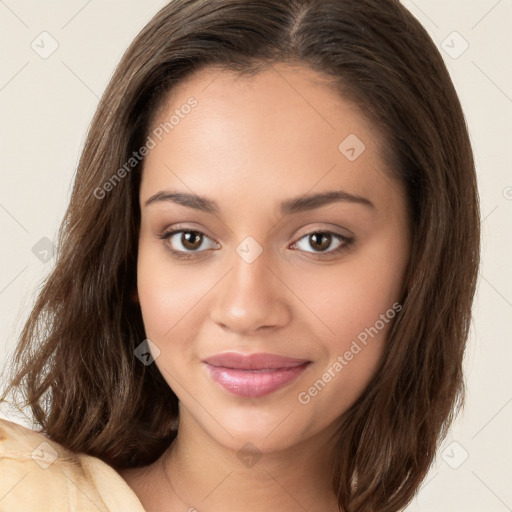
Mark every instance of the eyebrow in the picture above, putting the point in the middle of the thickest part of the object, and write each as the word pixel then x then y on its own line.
pixel 288 207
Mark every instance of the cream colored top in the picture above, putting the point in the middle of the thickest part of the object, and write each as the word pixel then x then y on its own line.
pixel 37 474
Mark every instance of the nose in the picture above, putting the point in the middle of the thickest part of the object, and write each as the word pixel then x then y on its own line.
pixel 251 298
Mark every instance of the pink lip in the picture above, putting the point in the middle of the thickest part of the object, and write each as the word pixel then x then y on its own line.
pixel 254 375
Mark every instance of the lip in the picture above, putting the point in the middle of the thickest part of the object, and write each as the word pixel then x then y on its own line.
pixel 253 375
pixel 259 361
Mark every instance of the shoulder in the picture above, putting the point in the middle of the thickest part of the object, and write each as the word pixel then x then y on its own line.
pixel 40 474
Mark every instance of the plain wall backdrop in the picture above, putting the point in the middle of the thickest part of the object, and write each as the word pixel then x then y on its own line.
pixel 57 57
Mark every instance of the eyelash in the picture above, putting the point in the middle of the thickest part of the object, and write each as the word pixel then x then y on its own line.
pixel 346 242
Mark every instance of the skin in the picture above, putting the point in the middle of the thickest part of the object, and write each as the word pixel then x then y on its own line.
pixel 250 144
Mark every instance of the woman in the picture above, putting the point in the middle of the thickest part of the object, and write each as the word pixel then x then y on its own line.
pixel 265 274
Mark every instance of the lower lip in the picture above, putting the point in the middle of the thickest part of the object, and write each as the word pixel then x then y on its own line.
pixel 254 383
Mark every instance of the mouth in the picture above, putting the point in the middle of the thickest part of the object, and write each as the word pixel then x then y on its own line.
pixel 254 375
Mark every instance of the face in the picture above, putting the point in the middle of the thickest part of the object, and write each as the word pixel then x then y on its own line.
pixel 269 225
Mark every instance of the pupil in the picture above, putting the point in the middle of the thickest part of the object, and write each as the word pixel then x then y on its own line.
pixel 190 239
pixel 323 236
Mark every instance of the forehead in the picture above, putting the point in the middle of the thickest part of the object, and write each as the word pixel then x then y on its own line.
pixel 284 129
pixel 279 91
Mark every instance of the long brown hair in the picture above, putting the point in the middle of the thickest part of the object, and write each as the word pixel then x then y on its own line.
pixel 75 359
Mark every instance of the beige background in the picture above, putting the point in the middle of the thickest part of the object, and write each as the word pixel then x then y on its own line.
pixel 47 103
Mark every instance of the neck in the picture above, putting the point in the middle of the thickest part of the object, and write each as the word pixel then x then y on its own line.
pixel 204 475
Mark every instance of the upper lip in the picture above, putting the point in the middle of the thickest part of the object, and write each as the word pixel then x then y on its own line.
pixel 253 361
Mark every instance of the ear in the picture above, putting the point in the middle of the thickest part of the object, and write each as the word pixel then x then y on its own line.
pixel 135 296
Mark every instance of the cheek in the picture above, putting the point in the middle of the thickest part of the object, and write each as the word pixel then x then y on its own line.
pixel 355 305
pixel 350 298
pixel 167 293
pixel 352 356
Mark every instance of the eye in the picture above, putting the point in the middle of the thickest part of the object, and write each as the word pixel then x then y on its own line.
pixel 186 243
pixel 323 242
pixel 183 243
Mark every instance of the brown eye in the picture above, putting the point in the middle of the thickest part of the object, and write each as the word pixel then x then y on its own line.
pixel 182 242
pixel 322 242
pixel 191 240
